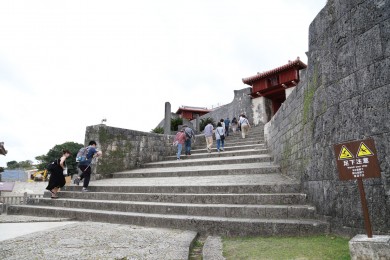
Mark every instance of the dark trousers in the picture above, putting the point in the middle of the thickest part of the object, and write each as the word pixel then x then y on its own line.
pixel 187 144
pixel 227 130
pixel 85 174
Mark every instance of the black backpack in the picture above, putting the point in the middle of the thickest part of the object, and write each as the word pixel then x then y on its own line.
pixel 51 166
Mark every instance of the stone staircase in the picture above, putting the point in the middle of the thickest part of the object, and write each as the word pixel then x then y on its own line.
pixel 238 192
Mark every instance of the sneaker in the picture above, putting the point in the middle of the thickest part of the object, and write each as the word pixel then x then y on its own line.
pixel 76 181
pixel 84 190
pixel 178 159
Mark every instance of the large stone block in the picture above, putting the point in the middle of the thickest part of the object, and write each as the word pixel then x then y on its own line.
pixel 346 61
pixel 368 47
pixel 385 33
pixel 363 248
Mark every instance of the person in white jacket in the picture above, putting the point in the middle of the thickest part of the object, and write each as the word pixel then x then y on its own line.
pixel 244 124
pixel 220 137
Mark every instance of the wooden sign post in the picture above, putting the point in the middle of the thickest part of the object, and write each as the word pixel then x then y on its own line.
pixel 358 160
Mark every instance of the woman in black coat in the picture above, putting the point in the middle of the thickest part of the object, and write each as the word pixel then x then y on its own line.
pixel 57 178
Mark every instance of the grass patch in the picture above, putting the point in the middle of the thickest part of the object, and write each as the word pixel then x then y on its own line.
pixel 312 247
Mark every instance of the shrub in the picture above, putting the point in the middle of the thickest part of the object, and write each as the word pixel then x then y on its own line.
pixel 175 122
pixel 158 130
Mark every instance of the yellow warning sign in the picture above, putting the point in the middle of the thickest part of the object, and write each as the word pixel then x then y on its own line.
pixel 345 153
pixel 364 151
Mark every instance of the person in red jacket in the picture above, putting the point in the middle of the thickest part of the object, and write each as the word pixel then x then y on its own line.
pixel 180 138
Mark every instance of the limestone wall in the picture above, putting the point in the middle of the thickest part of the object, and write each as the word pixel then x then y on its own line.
pixel 344 94
pixel 126 149
pixel 241 104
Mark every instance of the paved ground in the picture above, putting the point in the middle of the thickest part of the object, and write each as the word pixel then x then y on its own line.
pixel 88 240
pixel 29 187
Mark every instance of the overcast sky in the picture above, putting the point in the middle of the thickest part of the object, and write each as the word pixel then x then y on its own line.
pixel 65 65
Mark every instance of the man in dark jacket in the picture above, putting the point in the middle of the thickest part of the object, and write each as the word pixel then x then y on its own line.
pixel 85 166
pixel 189 135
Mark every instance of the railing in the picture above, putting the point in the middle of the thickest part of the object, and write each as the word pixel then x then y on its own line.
pixel 17 200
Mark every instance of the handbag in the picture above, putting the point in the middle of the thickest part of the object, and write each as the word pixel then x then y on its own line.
pixel 221 136
pixel 65 171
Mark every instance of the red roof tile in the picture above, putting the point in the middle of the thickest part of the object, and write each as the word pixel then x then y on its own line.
pixel 291 64
pixel 193 109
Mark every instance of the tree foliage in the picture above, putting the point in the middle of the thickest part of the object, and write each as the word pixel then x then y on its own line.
pixel 12 165
pixel 175 122
pixel 205 121
pixel 19 165
pixel 56 152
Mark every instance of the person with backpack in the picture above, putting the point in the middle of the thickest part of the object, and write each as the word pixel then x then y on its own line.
pixel 220 137
pixel 57 178
pixel 189 135
pixel 85 162
pixel 234 125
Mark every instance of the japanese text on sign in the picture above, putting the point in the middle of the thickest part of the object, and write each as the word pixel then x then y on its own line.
pixel 357 159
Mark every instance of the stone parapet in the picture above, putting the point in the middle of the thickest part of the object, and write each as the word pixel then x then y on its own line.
pixel 125 149
pixel 241 104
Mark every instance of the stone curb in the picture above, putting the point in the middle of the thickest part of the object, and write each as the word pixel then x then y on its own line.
pixel 212 248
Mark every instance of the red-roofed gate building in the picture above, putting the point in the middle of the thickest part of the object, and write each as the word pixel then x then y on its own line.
pixel 191 112
pixel 271 88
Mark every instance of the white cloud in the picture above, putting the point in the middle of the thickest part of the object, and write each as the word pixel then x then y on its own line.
pixel 65 65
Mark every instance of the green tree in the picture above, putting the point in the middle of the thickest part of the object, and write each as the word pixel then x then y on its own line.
pixel 158 130
pixel 13 165
pixel 175 122
pixel 20 165
pixel 26 164
pixel 56 152
pixel 1 169
pixel 205 121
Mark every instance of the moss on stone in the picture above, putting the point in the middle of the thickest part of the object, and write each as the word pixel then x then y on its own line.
pixel 287 149
pixel 113 160
pixel 309 95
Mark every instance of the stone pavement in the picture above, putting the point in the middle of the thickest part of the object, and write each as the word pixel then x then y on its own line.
pixel 88 240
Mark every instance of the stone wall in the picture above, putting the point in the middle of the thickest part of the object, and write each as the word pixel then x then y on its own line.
pixel 241 104
pixel 125 149
pixel 344 95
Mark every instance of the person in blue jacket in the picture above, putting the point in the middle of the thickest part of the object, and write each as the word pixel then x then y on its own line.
pixel 85 166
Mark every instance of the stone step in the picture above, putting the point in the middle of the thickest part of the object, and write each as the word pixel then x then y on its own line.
pixel 204 170
pixel 272 188
pixel 230 148
pixel 226 153
pixel 201 224
pixel 211 210
pixel 214 159
pixel 197 198
pixel 252 183
pixel 230 143
pixel 255 130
